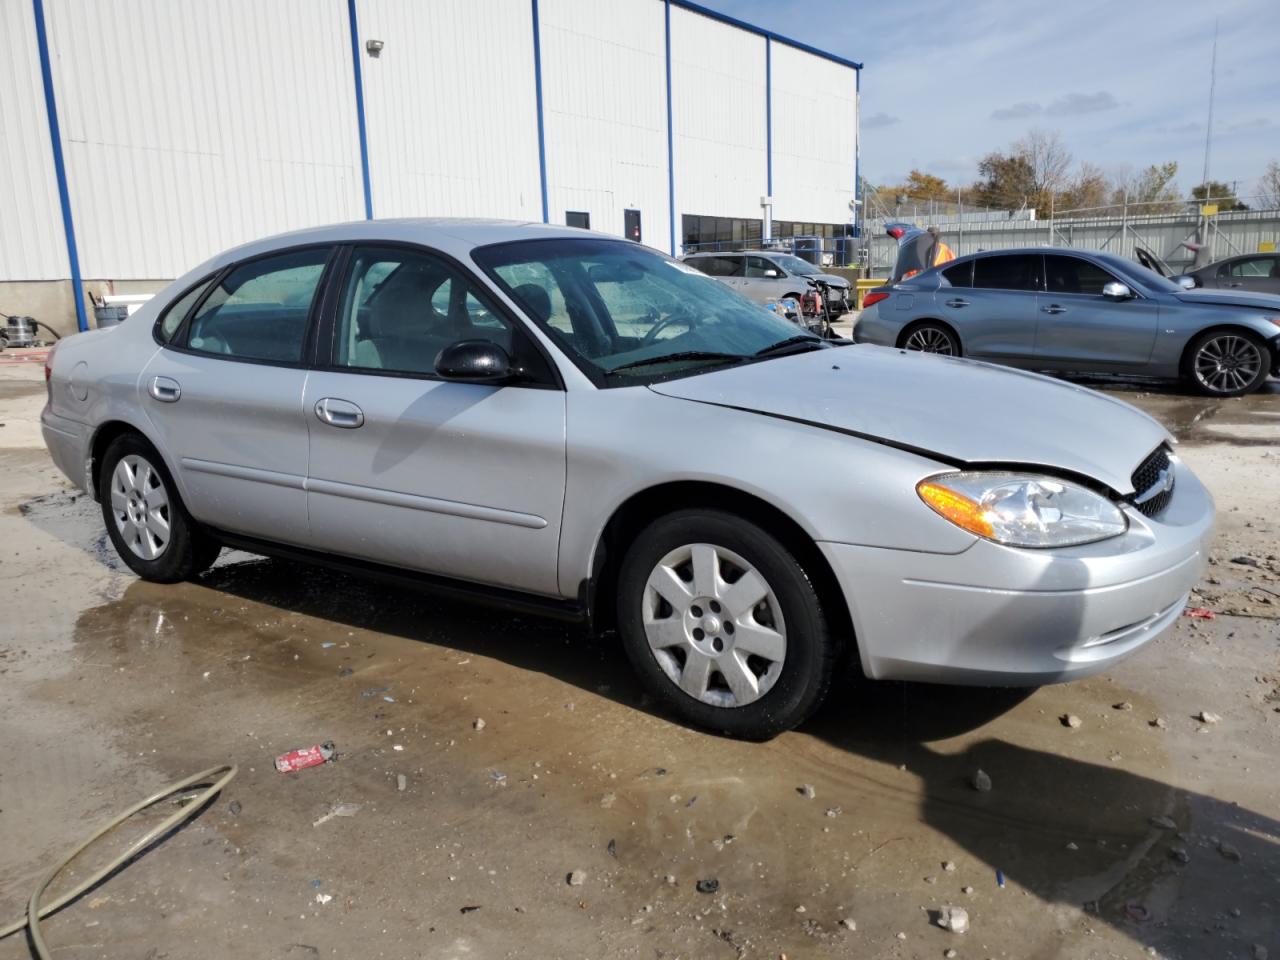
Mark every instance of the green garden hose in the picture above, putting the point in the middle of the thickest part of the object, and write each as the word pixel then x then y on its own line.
pixel 215 779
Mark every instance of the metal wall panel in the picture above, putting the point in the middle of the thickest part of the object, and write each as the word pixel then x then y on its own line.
pixel 814 133
pixel 604 92
pixel 718 108
pixel 190 126
pixel 450 108
pixel 32 243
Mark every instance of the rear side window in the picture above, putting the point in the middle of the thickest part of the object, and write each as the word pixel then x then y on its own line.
pixel 961 275
pixel 1254 267
pixel 1073 275
pixel 1018 271
pixel 259 310
pixel 177 311
pixel 718 266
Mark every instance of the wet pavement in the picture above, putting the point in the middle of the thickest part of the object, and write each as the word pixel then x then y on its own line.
pixel 113 687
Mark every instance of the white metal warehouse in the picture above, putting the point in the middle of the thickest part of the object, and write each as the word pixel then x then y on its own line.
pixel 140 138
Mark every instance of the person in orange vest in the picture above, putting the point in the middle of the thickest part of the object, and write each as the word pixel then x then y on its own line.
pixel 918 250
pixel 939 252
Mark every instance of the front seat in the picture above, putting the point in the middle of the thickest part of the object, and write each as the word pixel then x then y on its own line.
pixel 536 301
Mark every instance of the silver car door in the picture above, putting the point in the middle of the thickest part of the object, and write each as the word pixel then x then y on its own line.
pixel 996 316
pixel 225 398
pixel 1256 274
pixel 1080 328
pixel 460 479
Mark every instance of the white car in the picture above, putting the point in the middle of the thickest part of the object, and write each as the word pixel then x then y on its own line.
pixel 766 275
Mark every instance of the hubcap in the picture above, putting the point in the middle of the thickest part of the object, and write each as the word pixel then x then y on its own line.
pixel 930 340
pixel 1227 363
pixel 140 505
pixel 714 625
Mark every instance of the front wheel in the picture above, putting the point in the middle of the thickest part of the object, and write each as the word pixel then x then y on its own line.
pixel 723 624
pixel 1227 363
pixel 146 521
pixel 931 338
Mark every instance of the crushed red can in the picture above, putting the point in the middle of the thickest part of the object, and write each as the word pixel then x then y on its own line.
pixel 306 757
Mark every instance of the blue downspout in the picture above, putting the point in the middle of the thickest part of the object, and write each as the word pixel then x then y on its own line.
pixel 671 169
pixel 768 115
pixel 59 167
pixel 364 138
pixel 537 83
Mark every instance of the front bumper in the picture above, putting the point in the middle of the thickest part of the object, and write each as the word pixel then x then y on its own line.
pixel 1004 616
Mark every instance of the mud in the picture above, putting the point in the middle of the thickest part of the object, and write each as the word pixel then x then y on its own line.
pixel 112 687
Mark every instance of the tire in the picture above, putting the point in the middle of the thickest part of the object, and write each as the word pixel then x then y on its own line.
pixel 1227 363
pixel 759 694
pixel 930 337
pixel 146 521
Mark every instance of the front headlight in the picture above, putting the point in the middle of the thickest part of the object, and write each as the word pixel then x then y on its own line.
pixel 1023 510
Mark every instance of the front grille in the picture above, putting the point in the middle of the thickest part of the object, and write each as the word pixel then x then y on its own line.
pixel 1153 483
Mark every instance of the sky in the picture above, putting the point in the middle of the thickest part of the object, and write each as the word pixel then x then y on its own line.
pixel 1125 82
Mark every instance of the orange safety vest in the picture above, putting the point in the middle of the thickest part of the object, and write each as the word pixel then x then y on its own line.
pixel 942 253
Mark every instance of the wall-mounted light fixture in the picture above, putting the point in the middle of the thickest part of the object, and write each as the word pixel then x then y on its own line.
pixel 374 47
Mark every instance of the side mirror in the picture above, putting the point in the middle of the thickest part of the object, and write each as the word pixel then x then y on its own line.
pixel 1185 282
pixel 474 361
pixel 1116 291
pixel 772 274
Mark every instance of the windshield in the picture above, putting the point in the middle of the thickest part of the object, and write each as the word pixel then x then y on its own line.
pixel 802 267
pixel 625 314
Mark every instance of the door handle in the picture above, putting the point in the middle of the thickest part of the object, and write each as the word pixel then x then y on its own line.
pixel 1054 308
pixel 957 302
pixel 164 389
pixel 339 413
pixel 1236 283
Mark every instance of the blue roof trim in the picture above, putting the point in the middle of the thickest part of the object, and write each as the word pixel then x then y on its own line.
pixel 537 83
pixel 760 31
pixel 59 166
pixel 364 137
pixel 671 166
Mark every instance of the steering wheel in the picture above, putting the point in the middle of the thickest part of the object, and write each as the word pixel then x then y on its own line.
pixel 681 316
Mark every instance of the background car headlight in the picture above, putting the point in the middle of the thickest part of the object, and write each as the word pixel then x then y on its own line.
pixel 1023 510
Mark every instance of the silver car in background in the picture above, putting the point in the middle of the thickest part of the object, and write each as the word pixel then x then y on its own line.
pixel 1075 311
pixel 572 424
pixel 767 275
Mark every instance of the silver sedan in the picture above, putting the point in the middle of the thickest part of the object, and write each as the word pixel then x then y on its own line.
pixel 575 425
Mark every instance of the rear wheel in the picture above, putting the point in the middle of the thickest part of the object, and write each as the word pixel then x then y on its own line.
pixel 146 521
pixel 931 338
pixel 1227 363
pixel 723 624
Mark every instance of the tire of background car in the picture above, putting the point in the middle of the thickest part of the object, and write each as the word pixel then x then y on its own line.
pixel 723 625
pixel 146 520
pixel 930 337
pixel 1227 363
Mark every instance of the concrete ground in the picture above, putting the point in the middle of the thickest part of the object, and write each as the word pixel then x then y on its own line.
pixel 110 688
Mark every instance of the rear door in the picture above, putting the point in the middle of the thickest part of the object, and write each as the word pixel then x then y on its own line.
pixel 225 396
pixel 996 314
pixel 1259 274
pixel 460 479
pixel 1078 326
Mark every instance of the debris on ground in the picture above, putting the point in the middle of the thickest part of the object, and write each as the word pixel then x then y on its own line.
pixel 234 808
pixel 469 909
pixel 497 776
pixel 323 898
pixel 967 890
pixel 1122 705
pixel 1164 823
pixel 1000 879
pixel 807 791
pixel 576 878
pixel 849 923
pixel 981 782
pixel 834 811
pixel 1180 855
pixel 402 782
pixel 1229 852
pixel 709 885
pixel 613 848
pixel 306 757
pixel 669 880
pixel 1245 561
pixel 949 866
pixel 339 810
pixel 373 692
pixel 955 919
pixel 1259 952
pixel 1204 716
pixel 949 952
pixel 1071 720
pixel 1137 912
pixel 1199 613
pixel 478 724
pixel 1159 723
pixel 345 671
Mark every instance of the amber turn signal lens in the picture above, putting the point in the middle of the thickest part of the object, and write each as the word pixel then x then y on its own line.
pixel 956 507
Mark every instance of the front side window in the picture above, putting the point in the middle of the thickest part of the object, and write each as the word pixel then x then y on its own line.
pixel 400 307
pixel 1073 275
pixel 758 268
pixel 1018 271
pixel 634 315
pixel 1253 267
pixel 259 310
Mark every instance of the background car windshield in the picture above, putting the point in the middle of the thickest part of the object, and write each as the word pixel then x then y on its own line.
pixel 1144 277
pixel 795 265
pixel 612 304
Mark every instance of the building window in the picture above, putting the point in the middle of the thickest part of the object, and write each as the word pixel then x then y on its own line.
pixel 578 218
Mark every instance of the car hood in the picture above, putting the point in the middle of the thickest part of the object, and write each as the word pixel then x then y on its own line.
pixel 1251 301
pixel 958 411
pixel 832 280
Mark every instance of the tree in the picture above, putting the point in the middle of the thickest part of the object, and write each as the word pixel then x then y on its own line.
pixel 1220 193
pixel 925 186
pixel 1087 192
pixel 1151 190
pixel 1030 174
pixel 1269 186
pixel 1006 181
pixel 1048 158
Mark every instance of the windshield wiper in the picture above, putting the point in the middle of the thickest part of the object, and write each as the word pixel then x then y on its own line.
pixel 668 357
pixel 787 344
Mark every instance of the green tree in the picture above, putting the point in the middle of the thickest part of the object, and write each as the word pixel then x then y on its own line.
pixel 1220 193
pixel 1151 190
pixel 1269 186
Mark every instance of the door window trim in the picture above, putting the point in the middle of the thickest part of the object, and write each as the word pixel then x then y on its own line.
pixel 1040 278
pixel 174 301
pixel 179 341
pixel 331 298
pixel 1044 275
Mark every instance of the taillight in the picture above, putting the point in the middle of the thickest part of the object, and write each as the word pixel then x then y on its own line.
pixel 874 297
pixel 48 363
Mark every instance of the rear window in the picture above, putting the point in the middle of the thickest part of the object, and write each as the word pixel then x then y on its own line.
pixel 1018 271
pixel 961 275
pixel 718 266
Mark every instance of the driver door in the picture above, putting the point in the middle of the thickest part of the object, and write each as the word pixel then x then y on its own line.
pixel 464 480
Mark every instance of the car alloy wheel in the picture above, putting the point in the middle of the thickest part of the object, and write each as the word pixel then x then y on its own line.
pixel 930 339
pixel 1227 363
pixel 140 507
pixel 714 625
